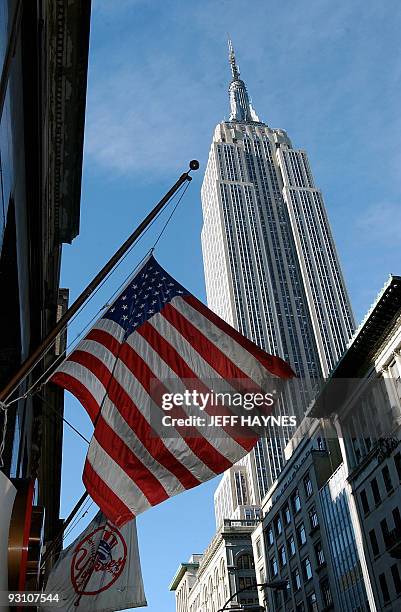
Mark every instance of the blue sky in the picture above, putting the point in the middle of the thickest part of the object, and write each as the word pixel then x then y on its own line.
pixel 329 73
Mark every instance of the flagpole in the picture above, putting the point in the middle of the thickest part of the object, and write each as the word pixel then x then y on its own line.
pixel 41 349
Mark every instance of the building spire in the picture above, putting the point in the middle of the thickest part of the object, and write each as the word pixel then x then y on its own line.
pixel 234 67
pixel 241 108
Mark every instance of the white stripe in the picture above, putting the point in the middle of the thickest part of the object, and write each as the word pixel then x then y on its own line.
pixel 85 377
pixel 111 327
pixel 244 360
pixel 177 445
pixel 201 368
pixel 116 479
pixel 114 419
pixel 194 360
pixel 219 439
pixel 97 349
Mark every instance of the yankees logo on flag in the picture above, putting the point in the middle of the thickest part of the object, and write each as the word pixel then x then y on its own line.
pixel 157 332
pixel 100 571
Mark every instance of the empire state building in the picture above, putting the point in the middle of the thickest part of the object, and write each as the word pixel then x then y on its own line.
pixel 271 266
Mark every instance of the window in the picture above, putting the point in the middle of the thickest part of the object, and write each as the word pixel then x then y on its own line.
pixel 387 479
pixel 384 528
pixel 373 542
pixel 296 501
pixel 291 546
pixel 375 491
pixel 365 503
pixel 308 486
pixel 246 582
pixel 319 553
pixel 396 578
pixel 313 518
pixel 282 556
pixel 287 592
pixel 384 588
pixel 296 580
pixel 397 518
pixel 287 515
pixel 270 536
pixel 258 548
pixel 245 562
pixel 312 602
pixel 277 525
pixel 306 569
pixel 273 566
pixel 397 463
pixel 301 535
pixel 326 593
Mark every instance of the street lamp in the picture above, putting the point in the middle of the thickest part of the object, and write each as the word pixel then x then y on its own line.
pixel 278 585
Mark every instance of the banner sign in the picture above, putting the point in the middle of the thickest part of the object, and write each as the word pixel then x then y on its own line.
pixel 100 570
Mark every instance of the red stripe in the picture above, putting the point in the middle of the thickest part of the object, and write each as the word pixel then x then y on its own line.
pixel 104 338
pixel 135 419
pixel 274 364
pixel 218 360
pixel 207 453
pixel 92 363
pixel 129 462
pixel 82 393
pixel 109 503
pixel 170 355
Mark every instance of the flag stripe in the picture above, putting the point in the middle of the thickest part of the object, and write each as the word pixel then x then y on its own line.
pixel 181 369
pixel 104 497
pixel 149 438
pixel 219 361
pixel 112 416
pixel 74 378
pixel 202 369
pixel 199 446
pixel 135 417
pixel 117 479
pixel 104 338
pixel 176 446
pixel 128 461
pixel 207 435
pixel 275 365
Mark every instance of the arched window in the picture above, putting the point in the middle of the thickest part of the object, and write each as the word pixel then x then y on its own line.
pixel 204 599
pixel 245 561
pixel 216 578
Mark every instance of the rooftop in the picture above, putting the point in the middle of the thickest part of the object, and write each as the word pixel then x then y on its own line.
pixel 365 344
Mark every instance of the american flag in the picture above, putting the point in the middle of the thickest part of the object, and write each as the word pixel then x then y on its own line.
pixel 156 331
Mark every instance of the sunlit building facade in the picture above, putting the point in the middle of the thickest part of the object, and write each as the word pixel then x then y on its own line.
pixel 271 266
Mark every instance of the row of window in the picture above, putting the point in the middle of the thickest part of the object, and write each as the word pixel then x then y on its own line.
pixel 276 527
pixel 374 485
pixel 395 574
pixel 311 599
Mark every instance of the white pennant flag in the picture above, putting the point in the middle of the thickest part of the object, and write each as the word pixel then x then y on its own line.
pixel 99 571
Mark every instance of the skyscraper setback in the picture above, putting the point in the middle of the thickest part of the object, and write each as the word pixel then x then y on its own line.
pixel 271 266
